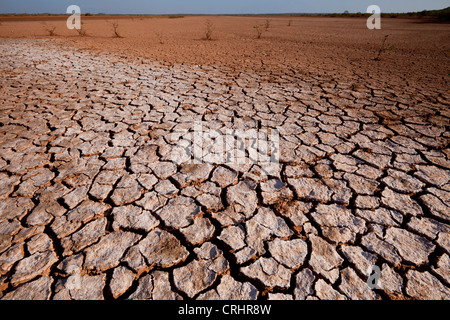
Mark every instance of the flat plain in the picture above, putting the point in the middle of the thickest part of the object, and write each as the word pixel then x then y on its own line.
pixel 92 207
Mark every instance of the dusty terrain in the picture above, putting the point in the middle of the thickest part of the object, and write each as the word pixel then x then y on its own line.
pixel 91 206
pixel 336 47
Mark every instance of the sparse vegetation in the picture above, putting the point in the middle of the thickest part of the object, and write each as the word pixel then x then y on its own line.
pixel 259 30
pixel 209 28
pixel 289 23
pixel 384 48
pixel 82 31
pixel 50 29
pixel 439 15
pixel 380 51
pixel 115 26
pixel 267 25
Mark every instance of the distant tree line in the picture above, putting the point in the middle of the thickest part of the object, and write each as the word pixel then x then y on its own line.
pixel 441 15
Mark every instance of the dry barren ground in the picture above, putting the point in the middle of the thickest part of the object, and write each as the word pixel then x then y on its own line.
pixel 91 207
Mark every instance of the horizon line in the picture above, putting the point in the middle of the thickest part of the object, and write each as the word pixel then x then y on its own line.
pixel 212 14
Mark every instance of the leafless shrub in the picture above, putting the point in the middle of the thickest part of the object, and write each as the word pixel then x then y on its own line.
pixel 50 29
pixel 267 24
pixel 115 26
pixel 82 31
pixel 289 23
pixel 209 28
pixel 259 31
pixel 384 48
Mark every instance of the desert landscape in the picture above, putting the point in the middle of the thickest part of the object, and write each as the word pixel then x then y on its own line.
pixel 93 207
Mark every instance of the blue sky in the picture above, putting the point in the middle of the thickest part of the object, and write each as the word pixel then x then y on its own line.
pixel 220 7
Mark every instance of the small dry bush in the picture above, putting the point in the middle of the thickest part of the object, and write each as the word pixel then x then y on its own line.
pixel 82 31
pixel 384 48
pixel 209 28
pixel 259 30
pixel 115 26
pixel 50 29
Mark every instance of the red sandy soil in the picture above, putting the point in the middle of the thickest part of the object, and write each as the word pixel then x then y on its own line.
pixel 340 48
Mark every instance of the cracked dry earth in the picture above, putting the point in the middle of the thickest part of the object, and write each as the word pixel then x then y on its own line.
pixel 92 208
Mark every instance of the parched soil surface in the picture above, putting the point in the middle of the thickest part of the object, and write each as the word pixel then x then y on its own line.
pixel 416 52
pixel 92 207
